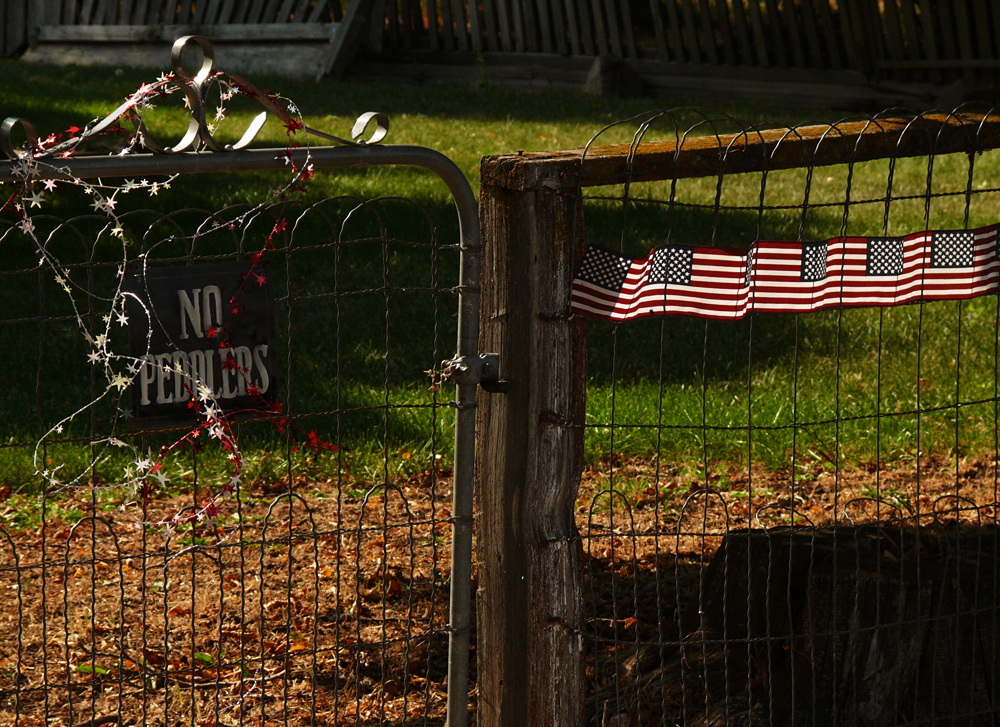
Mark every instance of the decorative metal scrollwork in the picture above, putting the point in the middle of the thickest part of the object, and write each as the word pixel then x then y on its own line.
pixel 199 134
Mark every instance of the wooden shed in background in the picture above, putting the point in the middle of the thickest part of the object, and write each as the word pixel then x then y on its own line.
pixel 805 52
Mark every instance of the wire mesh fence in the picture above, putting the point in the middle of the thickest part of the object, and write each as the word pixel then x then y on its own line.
pixel 790 518
pixel 147 582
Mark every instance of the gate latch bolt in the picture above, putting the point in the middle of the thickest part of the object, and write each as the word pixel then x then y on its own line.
pixel 483 369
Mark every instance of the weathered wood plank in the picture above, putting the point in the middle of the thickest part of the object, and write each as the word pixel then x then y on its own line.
pixel 392 23
pixel 143 33
pixel 86 15
pixel 725 28
pixel 447 26
pixel 255 12
pixel 530 26
pixel 544 26
pixel 757 23
pixel 813 47
pixel 674 31
pixel 984 43
pixel 792 30
pixel 600 29
pixel 572 27
pixel 225 13
pixel 930 34
pixel 614 33
pixel 590 44
pixel 691 31
pixel 708 33
pixel 707 156
pixel 630 46
pixel 377 27
pixel 433 29
pixel 284 11
pixel 777 38
pixel 659 29
pixel 893 32
pixel 490 41
pixel 559 27
pixel 530 596
pixel 475 26
pixel 461 30
pixel 406 23
pixel 964 33
pixel 831 39
pixel 741 31
pixel 505 23
pixel 320 7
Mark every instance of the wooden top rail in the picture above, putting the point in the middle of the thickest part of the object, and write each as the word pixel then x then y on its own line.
pixel 749 151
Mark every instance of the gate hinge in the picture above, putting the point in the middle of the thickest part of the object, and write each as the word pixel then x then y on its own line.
pixel 483 369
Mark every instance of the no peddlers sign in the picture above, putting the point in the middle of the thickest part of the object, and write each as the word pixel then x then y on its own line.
pixel 201 332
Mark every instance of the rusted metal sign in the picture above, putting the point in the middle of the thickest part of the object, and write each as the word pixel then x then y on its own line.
pixel 201 335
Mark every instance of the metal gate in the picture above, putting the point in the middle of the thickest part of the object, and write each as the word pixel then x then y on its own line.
pixel 147 568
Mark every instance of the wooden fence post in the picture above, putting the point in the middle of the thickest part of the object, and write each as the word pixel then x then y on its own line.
pixel 529 459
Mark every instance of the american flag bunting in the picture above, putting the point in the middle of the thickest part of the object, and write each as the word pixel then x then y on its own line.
pixel 787 277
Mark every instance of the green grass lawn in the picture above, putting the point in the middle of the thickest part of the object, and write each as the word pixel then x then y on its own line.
pixel 789 377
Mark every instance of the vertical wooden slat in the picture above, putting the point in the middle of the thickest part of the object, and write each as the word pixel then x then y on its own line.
pixel 930 36
pixel 517 25
pixel 283 15
pixel 708 34
pixel 376 38
pixel 590 46
pixel 614 32
pixel 529 26
pixel 964 36
pixel 691 32
pixel 573 27
pixel 777 38
pixel 759 42
pixel 337 10
pixel 461 32
pixel 447 28
pixel 894 32
pixel 813 48
pixel 490 25
pixel 86 16
pixel 184 12
pixel 984 45
pixel 559 27
pixel 830 34
pixel 225 13
pixel 911 35
pixel 946 23
pixel 405 24
pixel 742 31
pixel 726 31
pixel 659 30
pixel 792 31
pixel 69 13
pixel 600 29
pixel 506 26
pixel 674 35
pixel 544 26
pixel 391 35
pixel 630 47
pixel 475 27
pixel 433 32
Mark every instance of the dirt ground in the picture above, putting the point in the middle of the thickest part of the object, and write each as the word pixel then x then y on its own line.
pixel 323 608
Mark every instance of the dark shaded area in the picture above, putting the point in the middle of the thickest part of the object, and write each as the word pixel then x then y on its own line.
pixel 866 625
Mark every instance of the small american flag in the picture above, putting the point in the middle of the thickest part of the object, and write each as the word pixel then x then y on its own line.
pixel 787 277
